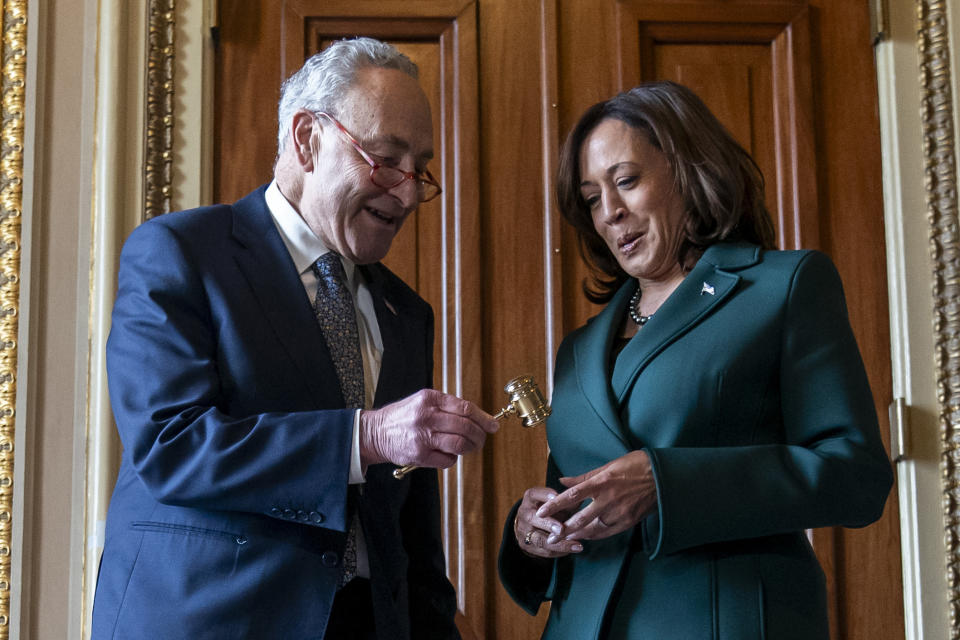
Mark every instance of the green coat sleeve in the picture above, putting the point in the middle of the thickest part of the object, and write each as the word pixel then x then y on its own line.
pixel 831 468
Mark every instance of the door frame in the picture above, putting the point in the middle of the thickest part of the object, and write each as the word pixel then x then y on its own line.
pixel 919 175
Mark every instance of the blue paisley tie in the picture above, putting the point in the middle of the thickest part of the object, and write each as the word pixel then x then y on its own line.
pixel 337 316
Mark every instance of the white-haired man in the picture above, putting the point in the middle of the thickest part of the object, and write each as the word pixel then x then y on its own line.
pixel 267 375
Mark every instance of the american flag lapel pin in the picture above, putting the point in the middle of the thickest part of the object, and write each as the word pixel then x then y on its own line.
pixel 707 288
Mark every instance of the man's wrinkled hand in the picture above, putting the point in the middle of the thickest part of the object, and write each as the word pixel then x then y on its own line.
pixel 427 429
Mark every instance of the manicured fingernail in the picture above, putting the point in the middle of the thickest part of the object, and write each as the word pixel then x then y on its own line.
pixel 577 548
pixel 552 538
pixel 556 528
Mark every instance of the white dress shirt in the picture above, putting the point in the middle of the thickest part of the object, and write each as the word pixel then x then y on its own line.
pixel 305 248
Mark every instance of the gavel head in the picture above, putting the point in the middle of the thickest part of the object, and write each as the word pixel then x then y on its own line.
pixel 527 401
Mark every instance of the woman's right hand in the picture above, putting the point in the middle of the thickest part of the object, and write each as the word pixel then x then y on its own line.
pixel 542 537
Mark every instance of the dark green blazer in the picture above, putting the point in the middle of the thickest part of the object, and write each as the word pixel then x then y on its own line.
pixel 749 394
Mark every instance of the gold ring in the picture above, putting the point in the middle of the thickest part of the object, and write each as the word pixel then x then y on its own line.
pixel 526 538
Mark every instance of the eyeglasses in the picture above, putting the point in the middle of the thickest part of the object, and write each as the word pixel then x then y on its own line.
pixel 389 177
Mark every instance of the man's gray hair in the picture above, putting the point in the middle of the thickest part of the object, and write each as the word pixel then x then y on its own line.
pixel 323 80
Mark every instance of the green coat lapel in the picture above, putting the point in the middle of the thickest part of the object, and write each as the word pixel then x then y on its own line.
pixel 591 353
pixel 709 283
pixel 689 305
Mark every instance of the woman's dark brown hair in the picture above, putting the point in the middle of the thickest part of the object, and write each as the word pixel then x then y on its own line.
pixel 721 185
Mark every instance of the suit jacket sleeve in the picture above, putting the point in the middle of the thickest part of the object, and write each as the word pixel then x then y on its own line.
pixel 831 468
pixel 164 359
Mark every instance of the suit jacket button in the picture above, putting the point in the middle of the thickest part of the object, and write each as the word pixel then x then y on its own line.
pixel 329 559
pixel 316 517
pixel 275 511
pixel 289 514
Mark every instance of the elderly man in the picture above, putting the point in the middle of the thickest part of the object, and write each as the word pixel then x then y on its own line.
pixel 267 373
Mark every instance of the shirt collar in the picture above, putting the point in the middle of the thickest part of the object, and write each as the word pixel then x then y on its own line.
pixel 302 244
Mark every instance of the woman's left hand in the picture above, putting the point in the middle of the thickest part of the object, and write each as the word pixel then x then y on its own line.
pixel 622 492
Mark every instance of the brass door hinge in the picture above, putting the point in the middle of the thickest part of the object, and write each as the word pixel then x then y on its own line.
pixel 899 429
pixel 879 21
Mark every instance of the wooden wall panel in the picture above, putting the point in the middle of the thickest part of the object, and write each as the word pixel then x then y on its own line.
pixel 247 77
pixel 511 175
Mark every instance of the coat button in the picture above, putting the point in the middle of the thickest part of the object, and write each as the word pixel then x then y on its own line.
pixel 274 511
pixel 301 515
pixel 316 517
pixel 329 559
pixel 289 514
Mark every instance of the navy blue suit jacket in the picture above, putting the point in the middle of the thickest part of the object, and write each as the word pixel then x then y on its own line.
pixel 229 515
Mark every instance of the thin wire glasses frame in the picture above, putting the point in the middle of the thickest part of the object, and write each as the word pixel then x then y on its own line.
pixel 389 177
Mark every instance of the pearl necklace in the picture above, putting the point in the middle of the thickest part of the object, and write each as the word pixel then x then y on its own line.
pixel 634 309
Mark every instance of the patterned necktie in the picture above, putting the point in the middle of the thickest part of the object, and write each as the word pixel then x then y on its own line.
pixel 337 316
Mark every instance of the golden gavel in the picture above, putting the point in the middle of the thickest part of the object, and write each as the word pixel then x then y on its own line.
pixel 525 400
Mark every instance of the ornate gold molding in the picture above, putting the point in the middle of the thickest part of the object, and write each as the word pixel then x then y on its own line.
pixel 941 194
pixel 11 202
pixel 159 116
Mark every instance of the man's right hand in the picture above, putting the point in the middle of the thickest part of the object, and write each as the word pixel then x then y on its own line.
pixel 427 429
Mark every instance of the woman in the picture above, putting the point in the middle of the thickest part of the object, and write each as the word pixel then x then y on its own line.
pixel 715 409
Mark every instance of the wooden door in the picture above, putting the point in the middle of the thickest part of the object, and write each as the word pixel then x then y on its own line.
pixel 506 79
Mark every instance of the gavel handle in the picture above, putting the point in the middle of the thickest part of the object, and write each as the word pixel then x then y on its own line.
pixel 399 472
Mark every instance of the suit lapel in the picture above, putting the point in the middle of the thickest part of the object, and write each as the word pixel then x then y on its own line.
pixel 710 283
pixel 391 327
pixel 275 283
